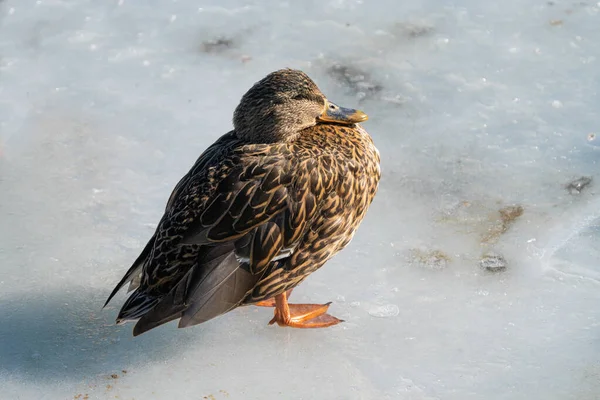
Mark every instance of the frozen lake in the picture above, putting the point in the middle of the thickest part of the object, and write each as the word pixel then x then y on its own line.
pixel 482 112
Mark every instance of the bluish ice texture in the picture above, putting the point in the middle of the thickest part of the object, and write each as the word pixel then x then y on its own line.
pixel 475 106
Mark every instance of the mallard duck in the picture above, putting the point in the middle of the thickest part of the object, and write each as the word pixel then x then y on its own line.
pixel 261 209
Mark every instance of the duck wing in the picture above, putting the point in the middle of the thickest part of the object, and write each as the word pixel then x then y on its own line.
pixel 133 275
pixel 222 227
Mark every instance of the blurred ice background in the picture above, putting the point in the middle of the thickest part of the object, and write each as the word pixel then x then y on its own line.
pixel 476 274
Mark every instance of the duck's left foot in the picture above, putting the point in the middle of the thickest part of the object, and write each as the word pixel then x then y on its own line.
pixel 302 315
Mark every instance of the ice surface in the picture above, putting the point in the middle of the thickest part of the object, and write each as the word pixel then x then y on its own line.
pixel 476 106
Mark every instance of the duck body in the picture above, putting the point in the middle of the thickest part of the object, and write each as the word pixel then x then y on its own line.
pixel 249 222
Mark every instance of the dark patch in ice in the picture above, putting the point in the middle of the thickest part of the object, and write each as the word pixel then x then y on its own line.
pixel 429 259
pixel 227 46
pixel 577 185
pixel 493 262
pixel 412 30
pixel 358 82
pixel 489 221
pixel 593 139
pixel 218 45
pixel 508 215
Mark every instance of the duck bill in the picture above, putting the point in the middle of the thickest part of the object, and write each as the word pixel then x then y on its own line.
pixel 341 115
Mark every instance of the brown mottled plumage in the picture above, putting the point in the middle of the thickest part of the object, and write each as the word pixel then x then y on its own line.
pixel 263 207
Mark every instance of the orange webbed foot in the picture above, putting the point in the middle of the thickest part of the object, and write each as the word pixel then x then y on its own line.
pixel 302 315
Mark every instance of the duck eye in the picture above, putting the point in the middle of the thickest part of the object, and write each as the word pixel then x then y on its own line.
pixel 332 107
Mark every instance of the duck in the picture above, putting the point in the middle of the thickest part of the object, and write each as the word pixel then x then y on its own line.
pixel 262 208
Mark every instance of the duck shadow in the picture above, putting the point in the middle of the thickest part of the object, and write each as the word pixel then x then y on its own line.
pixel 67 335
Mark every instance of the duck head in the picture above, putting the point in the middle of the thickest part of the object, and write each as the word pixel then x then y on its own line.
pixel 281 105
